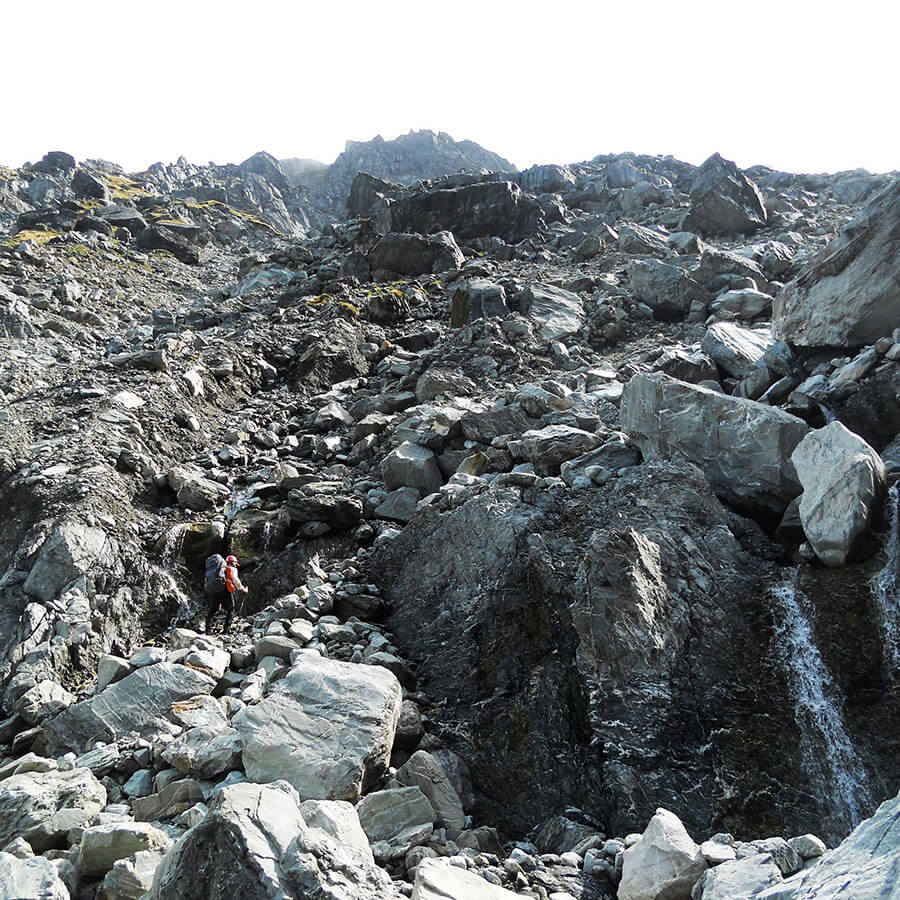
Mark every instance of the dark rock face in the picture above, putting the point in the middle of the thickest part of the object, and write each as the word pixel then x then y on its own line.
pixel 160 237
pixel 416 254
pixel 87 185
pixel 599 651
pixel 724 200
pixel 489 209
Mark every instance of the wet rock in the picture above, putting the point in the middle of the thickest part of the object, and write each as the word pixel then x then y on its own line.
pixel 665 862
pixel 724 200
pixel 743 447
pixel 847 295
pixel 327 727
pixel 843 482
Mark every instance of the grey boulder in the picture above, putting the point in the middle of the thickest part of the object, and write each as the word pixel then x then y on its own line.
pixel 411 465
pixel 724 200
pixel 30 799
pixel 141 702
pixel 847 296
pixel 103 845
pixel 416 254
pixel 737 351
pixel 327 727
pixel 549 447
pixel 664 863
pixel 205 752
pixel 843 482
pixel 401 817
pixel 256 842
pixel 743 447
pixel 667 288
pixel 438 880
pixel 740 878
pixel 30 879
pixel 557 312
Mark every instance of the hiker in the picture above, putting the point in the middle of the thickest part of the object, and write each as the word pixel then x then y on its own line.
pixel 222 583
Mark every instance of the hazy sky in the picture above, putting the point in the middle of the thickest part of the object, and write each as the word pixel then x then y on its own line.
pixel 800 86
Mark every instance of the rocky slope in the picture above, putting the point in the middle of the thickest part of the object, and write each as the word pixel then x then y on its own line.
pixel 563 495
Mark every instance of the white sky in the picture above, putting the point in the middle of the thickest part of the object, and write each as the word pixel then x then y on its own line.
pixel 801 86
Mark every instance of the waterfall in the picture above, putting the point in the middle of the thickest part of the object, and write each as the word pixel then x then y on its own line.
pixel 886 587
pixel 827 749
pixel 172 546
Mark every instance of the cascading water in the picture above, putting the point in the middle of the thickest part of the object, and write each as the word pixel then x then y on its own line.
pixel 172 546
pixel 826 746
pixel 886 586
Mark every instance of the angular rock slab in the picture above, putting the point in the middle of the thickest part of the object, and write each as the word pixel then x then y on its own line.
pixel 724 200
pixel 848 295
pixel 864 866
pixel 441 881
pixel 843 482
pixel 737 351
pixel 411 465
pixel 557 312
pixel 743 447
pixel 327 728
pixel 397 815
pixel 28 800
pixel 141 702
pixel 255 842
pixel 103 845
pixel 664 864
pixel 738 878
pixel 30 879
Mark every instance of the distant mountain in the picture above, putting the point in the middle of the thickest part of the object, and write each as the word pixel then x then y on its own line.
pixel 412 157
pixel 303 171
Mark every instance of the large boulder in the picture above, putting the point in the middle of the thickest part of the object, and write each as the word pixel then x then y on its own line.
pixel 256 842
pixel 327 727
pixel 477 298
pixel 402 817
pixel 423 770
pixel 843 482
pixel 664 864
pixel 553 445
pixel 30 879
pixel 865 865
pixel 485 209
pixel 161 237
pixel 30 799
pixel 737 351
pixel 743 447
pixel 103 845
pixel 739 878
pixel 667 288
pixel 724 200
pixel 416 254
pixel 438 880
pixel 141 702
pixel 849 294
pixel 72 554
pixel 411 465
pixel 557 312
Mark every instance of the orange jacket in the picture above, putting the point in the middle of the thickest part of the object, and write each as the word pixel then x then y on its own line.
pixel 232 580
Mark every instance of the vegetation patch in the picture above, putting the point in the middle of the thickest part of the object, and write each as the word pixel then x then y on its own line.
pixel 34 235
pixel 123 188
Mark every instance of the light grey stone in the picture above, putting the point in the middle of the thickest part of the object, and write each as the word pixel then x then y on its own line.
pixel 843 482
pixel 327 727
pixel 740 878
pixel 424 771
pixel 411 465
pixel 141 702
pixel 132 878
pixel 737 351
pixel 30 879
pixel 550 446
pixel 557 312
pixel 665 862
pixel 102 845
pixel 205 752
pixel 440 880
pixel 743 447
pixel 402 817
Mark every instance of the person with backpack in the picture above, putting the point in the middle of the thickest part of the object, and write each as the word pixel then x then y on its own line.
pixel 221 584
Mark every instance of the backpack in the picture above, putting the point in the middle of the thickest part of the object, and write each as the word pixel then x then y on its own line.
pixel 215 573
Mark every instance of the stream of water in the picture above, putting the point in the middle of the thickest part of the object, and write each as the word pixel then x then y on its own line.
pixel 826 745
pixel 886 587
